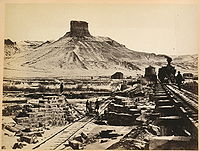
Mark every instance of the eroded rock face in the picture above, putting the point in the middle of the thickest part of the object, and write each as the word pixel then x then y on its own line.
pixel 9 42
pixel 79 29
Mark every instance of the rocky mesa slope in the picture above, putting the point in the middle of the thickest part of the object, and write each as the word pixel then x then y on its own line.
pixel 79 52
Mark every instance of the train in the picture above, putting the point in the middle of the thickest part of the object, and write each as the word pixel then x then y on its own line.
pixel 166 74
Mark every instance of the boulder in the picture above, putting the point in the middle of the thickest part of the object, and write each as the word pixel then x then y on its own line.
pixel 84 135
pixel 114 118
pixel 17 146
pixel 28 139
pixel 112 107
pixel 11 129
pixel 79 138
pixel 75 144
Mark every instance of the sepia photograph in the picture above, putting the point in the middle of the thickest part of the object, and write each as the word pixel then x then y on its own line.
pixel 100 75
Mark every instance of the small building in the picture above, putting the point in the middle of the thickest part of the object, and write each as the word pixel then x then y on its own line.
pixel 117 75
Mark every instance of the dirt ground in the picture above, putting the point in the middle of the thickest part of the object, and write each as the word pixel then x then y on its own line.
pixel 101 143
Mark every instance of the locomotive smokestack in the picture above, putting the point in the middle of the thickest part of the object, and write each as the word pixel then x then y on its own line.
pixel 169 60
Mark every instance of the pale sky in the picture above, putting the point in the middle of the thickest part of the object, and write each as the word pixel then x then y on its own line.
pixel 158 28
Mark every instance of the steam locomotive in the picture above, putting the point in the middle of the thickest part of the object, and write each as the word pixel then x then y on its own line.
pixel 166 74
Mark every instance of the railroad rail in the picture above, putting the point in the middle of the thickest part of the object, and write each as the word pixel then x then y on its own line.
pixel 58 140
pixel 188 102
pixel 177 106
pixel 189 94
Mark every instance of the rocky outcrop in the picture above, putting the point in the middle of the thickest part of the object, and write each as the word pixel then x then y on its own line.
pixel 10 48
pixel 9 42
pixel 79 51
pixel 78 29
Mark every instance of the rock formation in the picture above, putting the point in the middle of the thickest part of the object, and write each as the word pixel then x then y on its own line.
pixel 9 42
pixel 79 53
pixel 78 29
pixel 10 48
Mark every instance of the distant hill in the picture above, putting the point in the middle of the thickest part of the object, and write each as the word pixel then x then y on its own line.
pixel 78 53
pixel 186 63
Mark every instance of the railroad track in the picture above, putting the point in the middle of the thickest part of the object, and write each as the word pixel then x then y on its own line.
pixel 176 106
pixel 58 140
pixel 190 104
pixel 190 95
pixel 181 107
